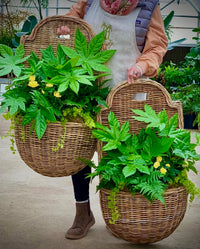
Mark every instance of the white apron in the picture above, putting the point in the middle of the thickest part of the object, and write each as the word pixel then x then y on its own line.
pixel 120 35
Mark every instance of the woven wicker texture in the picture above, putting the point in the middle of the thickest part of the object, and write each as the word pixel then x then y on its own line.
pixel 45 33
pixel 38 154
pixel 140 221
pixel 124 97
pixel 78 141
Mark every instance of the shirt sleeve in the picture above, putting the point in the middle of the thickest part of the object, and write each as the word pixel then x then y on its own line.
pixel 155 46
pixel 78 10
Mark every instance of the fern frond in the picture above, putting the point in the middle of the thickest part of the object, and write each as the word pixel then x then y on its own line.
pixel 152 191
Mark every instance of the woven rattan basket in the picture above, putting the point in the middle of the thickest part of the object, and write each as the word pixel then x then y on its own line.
pixel 38 154
pixel 140 221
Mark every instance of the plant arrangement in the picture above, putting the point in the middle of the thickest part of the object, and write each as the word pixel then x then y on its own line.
pixel 149 163
pixel 182 80
pixel 62 87
pixel 190 98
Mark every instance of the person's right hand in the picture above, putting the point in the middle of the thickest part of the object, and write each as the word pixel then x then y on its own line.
pixel 63 30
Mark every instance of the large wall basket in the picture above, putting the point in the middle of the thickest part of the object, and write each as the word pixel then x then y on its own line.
pixel 140 221
pixel 38 154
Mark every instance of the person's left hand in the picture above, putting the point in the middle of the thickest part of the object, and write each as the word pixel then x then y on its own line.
pixel 63 30
pixel 133 73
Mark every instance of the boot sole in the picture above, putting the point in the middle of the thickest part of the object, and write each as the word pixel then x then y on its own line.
pixel 71 236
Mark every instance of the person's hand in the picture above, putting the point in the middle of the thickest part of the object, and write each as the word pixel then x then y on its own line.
pixel 133 73
pixel 63 30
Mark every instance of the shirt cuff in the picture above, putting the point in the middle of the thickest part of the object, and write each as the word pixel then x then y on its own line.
pixel 143 66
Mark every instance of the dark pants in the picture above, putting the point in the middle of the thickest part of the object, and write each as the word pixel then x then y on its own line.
pixel 81 184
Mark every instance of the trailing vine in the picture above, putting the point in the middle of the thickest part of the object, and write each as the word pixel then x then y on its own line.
pixel 182 179
pixel 112 205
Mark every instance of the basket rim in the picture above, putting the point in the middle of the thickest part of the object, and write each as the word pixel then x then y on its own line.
pixel 168 191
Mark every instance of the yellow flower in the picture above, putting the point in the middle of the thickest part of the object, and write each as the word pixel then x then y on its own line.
pixel 57 95
pixel 33 84
pixel 32 78
pixel 163 170
pixel 185 164
pixel 159 159
pixel 167 164
pixel 43 91
pixel 49 85
pixel 156 165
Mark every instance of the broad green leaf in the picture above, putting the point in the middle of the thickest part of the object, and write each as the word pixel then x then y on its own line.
pixel 61 57
pixel 83 80
pixel 14 104
pixel 17 71
pixel 124 132
pixel 99 67
pixel 111 145
pixel 5 71
pixel 48 55
pixel 71 53
pixel 19 52
pixel 112 120
pixel 104 56
pixel 63 87
pixel 5 50
pixel 40 125
pixel 74 85
pixel 96 43
pixel 102 135
pixel 80 43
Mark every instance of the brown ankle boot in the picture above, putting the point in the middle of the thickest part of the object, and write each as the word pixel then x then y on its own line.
pixel 84 219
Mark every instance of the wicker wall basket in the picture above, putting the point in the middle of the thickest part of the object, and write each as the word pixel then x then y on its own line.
pixel 142 222
pixel 38 154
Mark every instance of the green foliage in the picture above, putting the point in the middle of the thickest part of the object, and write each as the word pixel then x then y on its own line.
pixel 148 162
pixel 190 98
pixel 167 20
pixel 55 83
pixel 182 80
pixel 10 61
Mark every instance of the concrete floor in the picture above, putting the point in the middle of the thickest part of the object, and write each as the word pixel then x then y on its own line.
pixel 35 211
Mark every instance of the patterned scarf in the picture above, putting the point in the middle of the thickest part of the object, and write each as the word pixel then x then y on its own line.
pixel 119 7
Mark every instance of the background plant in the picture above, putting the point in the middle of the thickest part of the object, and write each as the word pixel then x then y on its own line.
pixel 10 24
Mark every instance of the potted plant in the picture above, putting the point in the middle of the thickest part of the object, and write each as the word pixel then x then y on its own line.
pixel 54 101
pixel 143 177
pixel 190 97
pixel 182 82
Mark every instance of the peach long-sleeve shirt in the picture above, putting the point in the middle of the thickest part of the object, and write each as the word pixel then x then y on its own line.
pixel 155 45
